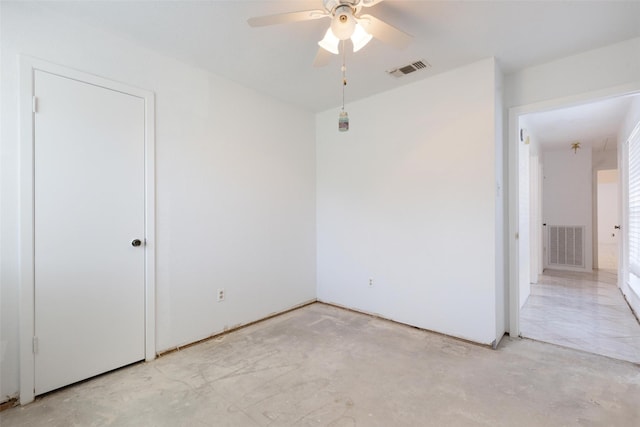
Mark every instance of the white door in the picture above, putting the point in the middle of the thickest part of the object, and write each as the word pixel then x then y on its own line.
pixel 89 207
pixel 608 218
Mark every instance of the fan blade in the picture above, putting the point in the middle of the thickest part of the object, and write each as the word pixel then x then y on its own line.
pixel 369 3
pixel 384 32
pixel 322 58
pixel 285 18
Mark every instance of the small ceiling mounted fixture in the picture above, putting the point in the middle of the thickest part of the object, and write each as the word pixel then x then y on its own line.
pixel 575 146
pixel 346 23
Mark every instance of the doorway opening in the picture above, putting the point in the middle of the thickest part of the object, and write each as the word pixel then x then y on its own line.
pixel 608 219
pixel 568 203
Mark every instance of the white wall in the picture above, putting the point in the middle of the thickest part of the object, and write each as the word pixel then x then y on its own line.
pixel 407 197
pixel 529 208
pixel 605 160
pixel 535 207
pixel 235 184
pixel 501 209
pixel 536 229
pixel 524 208
pixel 567 193
pixel 591 71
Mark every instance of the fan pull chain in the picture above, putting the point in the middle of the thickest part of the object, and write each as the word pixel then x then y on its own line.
pixel 344 72
pixel 343 119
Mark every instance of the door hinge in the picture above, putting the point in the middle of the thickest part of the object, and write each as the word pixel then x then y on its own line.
pixel 34 102
pixel 35 345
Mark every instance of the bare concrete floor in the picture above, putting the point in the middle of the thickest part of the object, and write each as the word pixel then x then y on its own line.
pixel 324 366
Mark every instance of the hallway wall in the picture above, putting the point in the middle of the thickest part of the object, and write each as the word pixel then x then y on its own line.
pixel 567 196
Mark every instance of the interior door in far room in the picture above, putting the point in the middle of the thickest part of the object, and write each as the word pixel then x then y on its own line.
pixel 608 219
pixel 89 209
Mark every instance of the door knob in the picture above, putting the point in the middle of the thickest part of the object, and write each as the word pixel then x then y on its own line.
pixel 136 242
pixel 617 227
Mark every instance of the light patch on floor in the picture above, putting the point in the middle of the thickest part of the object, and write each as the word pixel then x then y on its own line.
pixel 585 311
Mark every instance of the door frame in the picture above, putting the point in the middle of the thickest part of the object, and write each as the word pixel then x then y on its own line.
pixel 28 66
pixel 513 150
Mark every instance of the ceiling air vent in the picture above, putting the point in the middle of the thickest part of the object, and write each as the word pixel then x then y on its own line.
pixel 408 69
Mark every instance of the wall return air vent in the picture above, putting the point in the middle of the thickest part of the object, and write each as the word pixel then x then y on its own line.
pixel 566 245
pixel 409 68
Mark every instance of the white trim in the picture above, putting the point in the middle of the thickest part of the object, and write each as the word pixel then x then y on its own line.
pixel 514 211
pixel 513 138
pixel 27 67
pixel 26 234
pixel 623 197
pixel 634 133
pixel 632 170
pixel 150 224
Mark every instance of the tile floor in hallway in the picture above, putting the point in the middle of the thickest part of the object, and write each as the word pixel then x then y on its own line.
pixel 325 366
pixel 585 311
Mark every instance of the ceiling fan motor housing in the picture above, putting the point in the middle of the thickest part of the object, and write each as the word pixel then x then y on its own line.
pixel 343 23
pixel 332 5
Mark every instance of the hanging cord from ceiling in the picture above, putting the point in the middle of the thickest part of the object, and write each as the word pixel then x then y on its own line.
pixel 343 118
pixel 344 71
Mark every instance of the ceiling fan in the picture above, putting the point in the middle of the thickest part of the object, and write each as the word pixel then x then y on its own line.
pixel 347 22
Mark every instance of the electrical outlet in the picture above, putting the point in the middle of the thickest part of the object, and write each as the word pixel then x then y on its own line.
pixel 370 281
pixel 220 296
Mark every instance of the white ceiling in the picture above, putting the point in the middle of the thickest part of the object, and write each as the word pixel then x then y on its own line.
pixel 277 60
pixel 594 125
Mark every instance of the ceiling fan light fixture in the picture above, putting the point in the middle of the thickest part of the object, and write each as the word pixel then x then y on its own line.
pixel 348 22
pixel 343 23
pixel 330 42
pixel 360 38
